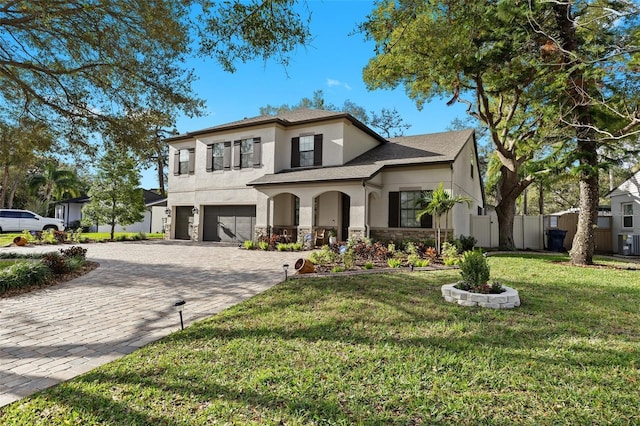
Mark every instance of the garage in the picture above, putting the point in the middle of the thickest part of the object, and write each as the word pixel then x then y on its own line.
pixel 228 223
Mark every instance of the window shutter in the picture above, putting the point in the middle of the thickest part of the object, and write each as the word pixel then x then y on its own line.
pixel 295 152
pixel 192 161
pixel 257 153
pixel 317 150
pixel 394 209
pixel 209 158
pixel 236 154
pixel 226 159
pixel 176 162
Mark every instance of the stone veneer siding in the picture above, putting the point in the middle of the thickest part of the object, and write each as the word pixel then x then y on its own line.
pixel 399 234
pixel 505 300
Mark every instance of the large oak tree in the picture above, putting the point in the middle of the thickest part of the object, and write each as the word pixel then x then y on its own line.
pixel 553 82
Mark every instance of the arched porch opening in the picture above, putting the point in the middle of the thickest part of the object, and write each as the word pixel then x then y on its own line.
pixel 332 214
pixel 286 216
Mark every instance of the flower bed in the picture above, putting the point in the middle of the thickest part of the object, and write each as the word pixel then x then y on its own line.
pixel 506 300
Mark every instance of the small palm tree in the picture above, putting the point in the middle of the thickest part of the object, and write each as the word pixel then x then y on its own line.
pixel 439 202
pixel 54 183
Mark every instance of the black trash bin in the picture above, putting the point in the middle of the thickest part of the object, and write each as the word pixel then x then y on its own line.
pixel 555 239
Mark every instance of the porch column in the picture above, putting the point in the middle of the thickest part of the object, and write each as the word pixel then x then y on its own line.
pixel 358 213
pixel 264 216
pixel 305 226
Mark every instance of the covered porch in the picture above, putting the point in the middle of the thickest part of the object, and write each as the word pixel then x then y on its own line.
pixel 311 214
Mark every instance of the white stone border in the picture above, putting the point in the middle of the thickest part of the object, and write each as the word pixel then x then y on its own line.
pixel 505 300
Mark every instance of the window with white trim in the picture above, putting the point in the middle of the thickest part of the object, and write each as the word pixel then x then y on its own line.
pixel 627 215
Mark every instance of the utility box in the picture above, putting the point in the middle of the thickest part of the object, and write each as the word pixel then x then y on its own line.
pixel 629 244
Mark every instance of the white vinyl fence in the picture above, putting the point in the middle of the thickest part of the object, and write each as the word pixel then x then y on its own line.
pixel 528 231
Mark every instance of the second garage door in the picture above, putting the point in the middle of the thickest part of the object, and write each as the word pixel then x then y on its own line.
pixel 228 223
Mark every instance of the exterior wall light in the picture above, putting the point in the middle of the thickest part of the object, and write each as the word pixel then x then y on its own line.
pixel 194 210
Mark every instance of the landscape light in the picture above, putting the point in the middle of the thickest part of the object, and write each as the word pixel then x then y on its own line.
pixel 179 306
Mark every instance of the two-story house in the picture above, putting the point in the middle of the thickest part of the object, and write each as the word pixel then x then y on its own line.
pixel 306 170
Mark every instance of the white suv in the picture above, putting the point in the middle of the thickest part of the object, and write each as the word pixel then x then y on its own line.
pixel 19 220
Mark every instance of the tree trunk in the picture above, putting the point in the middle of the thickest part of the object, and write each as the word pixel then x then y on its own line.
pixel 510 189
pixel 584 240
pixel 541 198
pixel 160 170
pixel 587 151
pixel 506 213
pixel 5 182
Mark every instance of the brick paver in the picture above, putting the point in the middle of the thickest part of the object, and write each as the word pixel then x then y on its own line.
pixel 55 334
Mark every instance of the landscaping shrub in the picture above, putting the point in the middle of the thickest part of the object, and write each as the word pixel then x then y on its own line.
pixel 466 243
pixel 55 262
pixel 74 263
pixel 324 257
pixel 263 245
pixel 431 253
pixel 474 270
pixel 249 245
pixel 417 261
pixel 450 255
pixel 75 252
pixel 394 263
pixel 22 274
pixel 349 259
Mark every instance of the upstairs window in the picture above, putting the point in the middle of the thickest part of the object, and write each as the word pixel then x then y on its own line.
pixel 219 156
pixel 306 151
pixel 184 161
pixel 627 215
pixel 246 153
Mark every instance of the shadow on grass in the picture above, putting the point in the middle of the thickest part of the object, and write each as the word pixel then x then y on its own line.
pixel 402 313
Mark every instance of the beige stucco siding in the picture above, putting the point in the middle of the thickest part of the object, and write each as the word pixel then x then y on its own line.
pixel 357 142
pixel 466 183
pixel 413 178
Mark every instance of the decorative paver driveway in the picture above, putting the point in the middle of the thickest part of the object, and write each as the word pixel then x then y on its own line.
pixel 57 333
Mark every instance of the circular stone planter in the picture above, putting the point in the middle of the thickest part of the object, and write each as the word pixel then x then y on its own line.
pixel 506 300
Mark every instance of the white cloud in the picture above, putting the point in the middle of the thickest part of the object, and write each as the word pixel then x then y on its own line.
pixel 332 83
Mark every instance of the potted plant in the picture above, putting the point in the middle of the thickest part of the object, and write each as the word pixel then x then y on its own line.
pixel 475 290
pixel 332 237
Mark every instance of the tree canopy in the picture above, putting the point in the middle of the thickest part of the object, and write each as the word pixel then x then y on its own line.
pixel 507 61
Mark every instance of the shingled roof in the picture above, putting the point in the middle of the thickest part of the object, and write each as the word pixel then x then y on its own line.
pixel 430 148
pixel 285 118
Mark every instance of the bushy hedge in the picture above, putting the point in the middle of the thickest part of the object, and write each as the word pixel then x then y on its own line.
pixel 22 274
pixel 34 272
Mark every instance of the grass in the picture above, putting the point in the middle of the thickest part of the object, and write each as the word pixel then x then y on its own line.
pixel 6 239
pixel 5 263
pixel 381 349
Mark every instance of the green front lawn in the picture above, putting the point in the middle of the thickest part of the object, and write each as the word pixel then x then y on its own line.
pixel 7 239
pixel 382 349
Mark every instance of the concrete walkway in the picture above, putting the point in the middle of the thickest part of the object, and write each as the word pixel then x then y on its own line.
pixel 57 333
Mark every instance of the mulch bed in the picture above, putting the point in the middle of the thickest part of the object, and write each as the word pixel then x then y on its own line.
pixel 55 280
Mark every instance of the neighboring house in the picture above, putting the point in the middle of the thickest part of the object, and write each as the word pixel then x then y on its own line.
pixel 70 211
pixel 625 211
pixel 310 170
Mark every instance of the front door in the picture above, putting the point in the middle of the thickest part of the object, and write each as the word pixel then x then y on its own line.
pixel 346 217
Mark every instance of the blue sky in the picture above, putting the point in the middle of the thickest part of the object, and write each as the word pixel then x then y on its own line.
pixel 333 63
